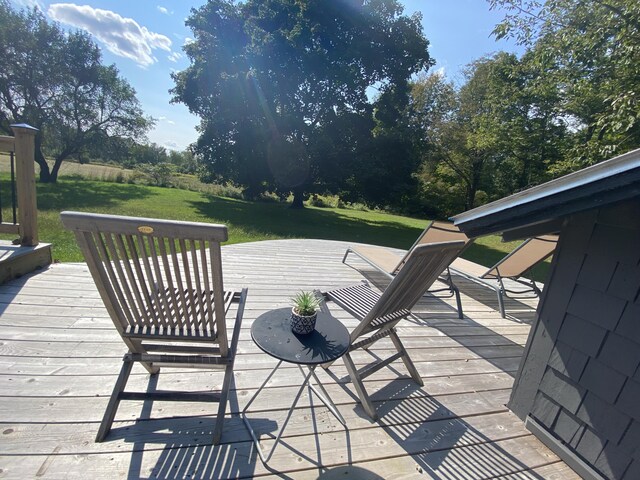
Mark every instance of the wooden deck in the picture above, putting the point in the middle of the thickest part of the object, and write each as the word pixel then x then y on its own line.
pixel 60 355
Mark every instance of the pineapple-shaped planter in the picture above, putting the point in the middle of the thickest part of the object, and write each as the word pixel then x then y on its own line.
pixel 304 313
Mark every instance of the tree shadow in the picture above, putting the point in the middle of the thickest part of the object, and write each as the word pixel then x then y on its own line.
pixel 69 194
pixel 282 221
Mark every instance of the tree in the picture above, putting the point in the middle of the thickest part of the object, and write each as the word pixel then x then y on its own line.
pixel 496 134
pixel 268 79
pixel 55 81
pixel 589 52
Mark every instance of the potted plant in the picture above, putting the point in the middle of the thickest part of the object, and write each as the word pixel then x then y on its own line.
pixel 304 313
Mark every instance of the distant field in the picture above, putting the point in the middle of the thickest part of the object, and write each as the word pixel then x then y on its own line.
pixel 106 173
pixel 247 221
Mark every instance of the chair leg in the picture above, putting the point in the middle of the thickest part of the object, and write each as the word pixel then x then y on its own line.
pixel 114 401
pixel 346 254
pixel 456 291
pixel 222 406
pixel 413 371
pixel 359 386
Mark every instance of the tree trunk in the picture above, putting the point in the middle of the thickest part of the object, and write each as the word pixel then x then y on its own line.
pixel 298 198
pixel 45 173
pixel 56 169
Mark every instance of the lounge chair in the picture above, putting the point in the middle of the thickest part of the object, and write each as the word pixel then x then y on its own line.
pixel 161 282
pixel 390 263
pixel 379 314
pixel 514 266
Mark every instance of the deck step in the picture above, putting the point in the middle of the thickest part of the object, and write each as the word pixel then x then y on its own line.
pixel 16 261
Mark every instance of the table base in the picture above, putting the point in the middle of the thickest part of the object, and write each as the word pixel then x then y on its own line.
pixel 322 395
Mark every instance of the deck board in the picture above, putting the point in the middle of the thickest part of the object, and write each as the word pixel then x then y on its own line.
pixel 60 355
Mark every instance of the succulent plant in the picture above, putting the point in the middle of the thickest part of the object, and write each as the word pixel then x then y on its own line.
pixel 305 303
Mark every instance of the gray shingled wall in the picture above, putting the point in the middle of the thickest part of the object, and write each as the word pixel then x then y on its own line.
pixel 581 371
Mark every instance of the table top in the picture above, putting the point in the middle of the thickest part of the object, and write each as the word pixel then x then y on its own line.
pixel 272 333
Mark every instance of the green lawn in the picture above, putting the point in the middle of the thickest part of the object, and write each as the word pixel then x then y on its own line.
pixel 247 221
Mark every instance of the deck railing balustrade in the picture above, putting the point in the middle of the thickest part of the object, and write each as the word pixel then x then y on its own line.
pixel 18 200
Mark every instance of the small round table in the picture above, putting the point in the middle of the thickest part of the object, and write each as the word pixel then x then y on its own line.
pixel 272 333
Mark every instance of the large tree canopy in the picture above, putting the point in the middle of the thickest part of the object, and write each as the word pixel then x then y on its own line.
pixel 55 81
pixel 275 81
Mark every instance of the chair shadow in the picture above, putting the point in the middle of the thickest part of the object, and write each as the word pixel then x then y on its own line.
pixel 443 445
pixel 185 444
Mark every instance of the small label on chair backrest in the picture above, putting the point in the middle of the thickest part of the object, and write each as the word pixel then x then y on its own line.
pixel 146 230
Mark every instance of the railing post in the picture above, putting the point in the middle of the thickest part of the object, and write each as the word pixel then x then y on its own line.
pixel 26 183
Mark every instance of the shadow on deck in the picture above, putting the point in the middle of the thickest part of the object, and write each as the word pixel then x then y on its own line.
pixel 60 355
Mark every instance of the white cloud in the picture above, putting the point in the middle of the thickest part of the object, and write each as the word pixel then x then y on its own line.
pixel 174 57
pixel 122 36
pixel 165 119
pixel 164 10
pixel 441 72
pixel 188 40
pixel 171 145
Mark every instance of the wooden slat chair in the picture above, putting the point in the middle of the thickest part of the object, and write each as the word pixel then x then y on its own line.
pixel 390 263
pixel 379 314
pixel 514 266
pixel 161 282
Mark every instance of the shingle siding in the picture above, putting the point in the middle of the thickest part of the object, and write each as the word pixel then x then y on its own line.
pixel 630 399
pixel 545 410
pixel 596 307
pixel 582 335
pixel 563 390
pixel 629 325
pixel 602 380
pixel 621 354
pixel 603 417
pixel 567 360
pixel 625 282
pixel 588 392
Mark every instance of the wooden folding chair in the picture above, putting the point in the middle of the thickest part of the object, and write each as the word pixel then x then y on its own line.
pixel 161 282
pixel 390 263
pixel 379 314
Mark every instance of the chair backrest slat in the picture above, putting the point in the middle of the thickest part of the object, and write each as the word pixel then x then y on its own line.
pixel 421 270
pixel 181 297
pixel 156 273
pixel 123 286
pixel 110 264
pixel 87 244
pixel 140 268
pixel 216 263
pixel 156 313
pixel 187 275
pixel 201 309
pixel 160 286
pixel 131 278
pixel 202 250
pixel 170 292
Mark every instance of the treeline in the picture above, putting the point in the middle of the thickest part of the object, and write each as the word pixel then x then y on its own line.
pixel 281 89
pixel 130 154
pixel 572 100
pixel 284 92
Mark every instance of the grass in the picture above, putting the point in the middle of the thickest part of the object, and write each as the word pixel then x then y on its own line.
pixel 247 221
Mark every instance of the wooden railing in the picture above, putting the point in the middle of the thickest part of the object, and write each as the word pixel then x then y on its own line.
pixel 22 147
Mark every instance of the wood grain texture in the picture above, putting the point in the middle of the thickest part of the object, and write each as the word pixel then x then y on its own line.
pixel 60 356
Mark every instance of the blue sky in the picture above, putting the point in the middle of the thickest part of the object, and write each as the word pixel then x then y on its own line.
pixel 144 38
